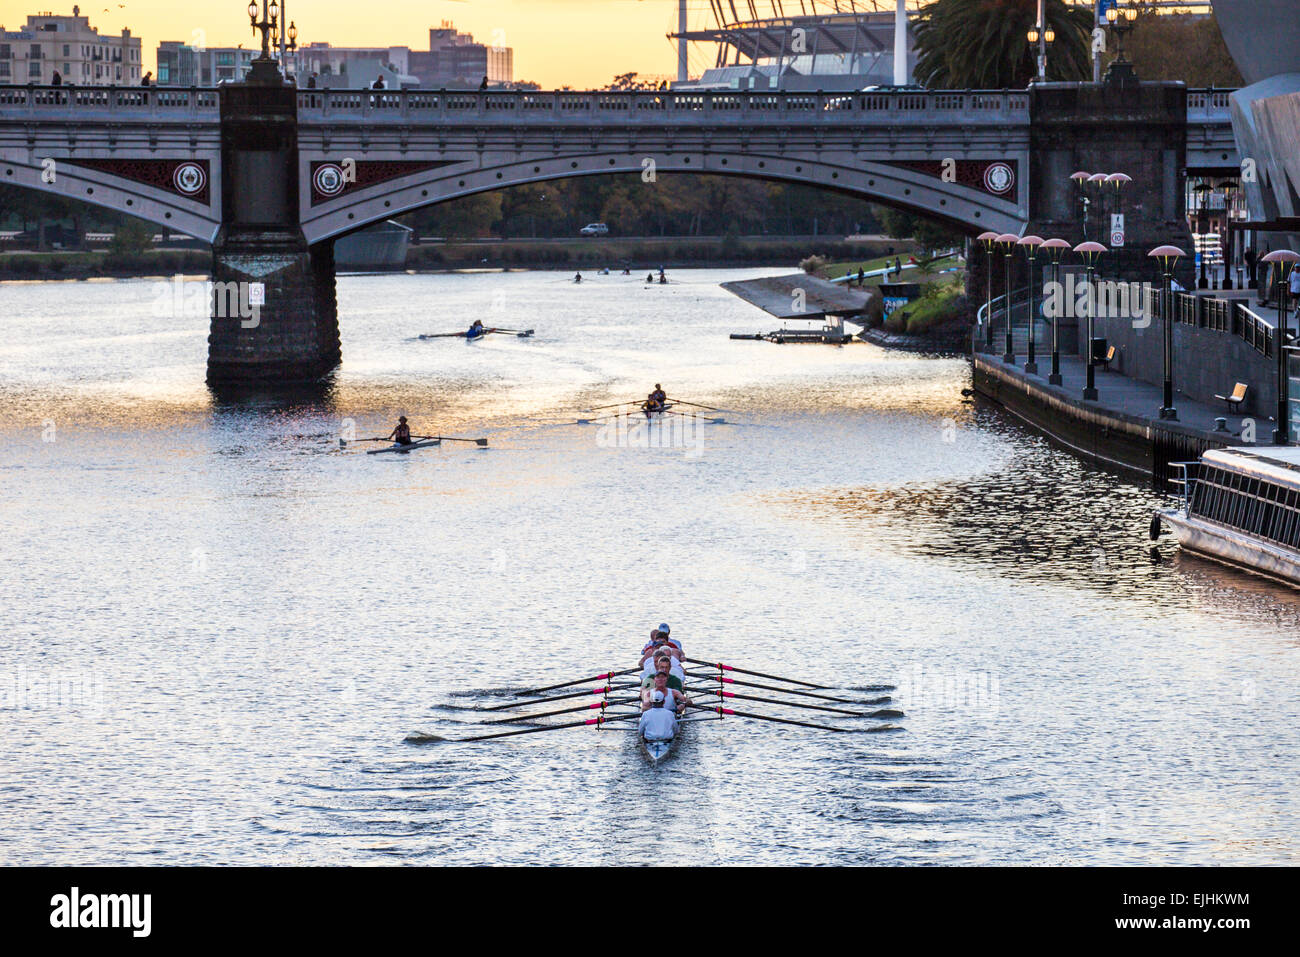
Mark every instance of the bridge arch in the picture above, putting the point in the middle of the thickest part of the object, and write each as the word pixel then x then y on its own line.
pixel 962 207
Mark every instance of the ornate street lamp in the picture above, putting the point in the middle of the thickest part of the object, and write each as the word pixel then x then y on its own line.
pixel 1030 244
pixel 1168 256
pixel 1055 250
pixel 1287 261
pixel 1120 20
pixel 988 239
pixel 1090 253
pixel 1007 242
pixel 1042 36
pixel 270 18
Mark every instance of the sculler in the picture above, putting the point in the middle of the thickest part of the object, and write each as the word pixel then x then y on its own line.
pixel 402 434
pixel 659 395
pixel 475 330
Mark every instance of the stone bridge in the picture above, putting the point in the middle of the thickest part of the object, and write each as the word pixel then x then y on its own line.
pixel 270 174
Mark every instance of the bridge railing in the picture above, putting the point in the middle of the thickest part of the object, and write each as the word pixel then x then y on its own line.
pixel 1209 106
pixel 175 102
pixel 992 106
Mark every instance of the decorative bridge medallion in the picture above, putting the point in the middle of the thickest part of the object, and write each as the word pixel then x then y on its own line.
pixel 330 178
pixel 187 178
pixel 995 177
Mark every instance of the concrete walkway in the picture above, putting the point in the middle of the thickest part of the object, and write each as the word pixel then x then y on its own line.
pixel 1135 398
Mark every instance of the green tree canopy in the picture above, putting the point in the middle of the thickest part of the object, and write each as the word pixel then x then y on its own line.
pixel 984 44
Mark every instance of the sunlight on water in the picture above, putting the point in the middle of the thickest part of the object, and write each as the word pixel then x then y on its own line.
pixel 219 626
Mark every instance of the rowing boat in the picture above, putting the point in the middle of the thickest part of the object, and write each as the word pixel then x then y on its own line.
pixel 409 447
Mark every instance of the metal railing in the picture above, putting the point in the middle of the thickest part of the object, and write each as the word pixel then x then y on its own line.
pixel 104 99
pixel 1010 107
pixel 1226 316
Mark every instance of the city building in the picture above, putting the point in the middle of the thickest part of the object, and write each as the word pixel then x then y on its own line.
pixel 182 65
pixel 455 60
pixel 72 48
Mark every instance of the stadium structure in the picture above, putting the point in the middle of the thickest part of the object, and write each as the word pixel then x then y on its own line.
pixel 808 45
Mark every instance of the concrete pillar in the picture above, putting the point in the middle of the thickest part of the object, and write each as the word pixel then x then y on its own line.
pixel 260 251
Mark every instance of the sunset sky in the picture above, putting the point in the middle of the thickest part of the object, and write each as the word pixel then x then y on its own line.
pixel 582 43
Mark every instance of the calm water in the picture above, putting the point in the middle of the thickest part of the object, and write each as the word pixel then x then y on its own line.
pixel 216 628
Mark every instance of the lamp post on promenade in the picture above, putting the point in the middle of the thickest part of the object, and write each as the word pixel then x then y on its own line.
pixel 1286 260
pixel 1007 242
pixel 1168 256
pixel 988 239
pixel 1055 250
pixel 1030 245
pixel 1090 252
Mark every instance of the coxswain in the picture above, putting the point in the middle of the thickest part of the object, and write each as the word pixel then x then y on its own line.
pixel 402 434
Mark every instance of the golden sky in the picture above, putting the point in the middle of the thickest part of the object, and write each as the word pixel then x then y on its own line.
pixel 582 43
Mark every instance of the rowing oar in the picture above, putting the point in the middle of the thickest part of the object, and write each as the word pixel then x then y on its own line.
pixel 521 333
pixel 580 681
pixel 603 689
pixel 451 438
pixel 803 694
pixel 768 717
pixel 422 739
pixel 757 674
pixel 602 705
pixel 441 335
pixel 708 408
pixel 614 406
pixel 882 713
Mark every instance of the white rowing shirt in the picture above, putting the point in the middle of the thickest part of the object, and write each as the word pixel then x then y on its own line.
pixel 658 724
pixel 674 668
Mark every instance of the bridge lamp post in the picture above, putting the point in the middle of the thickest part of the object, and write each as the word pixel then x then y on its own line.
pixel 1090 253
pixel 1080 180
pixel 270 17
pixel 1007 243
pixel 1030 245
pixel 1055 250
pixel 1287 261
pixel 988 239
pixel 1120 20
pixel 1168 256
pixel 1043 36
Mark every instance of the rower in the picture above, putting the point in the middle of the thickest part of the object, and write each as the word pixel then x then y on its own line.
pixel 650 662
pixel 664 664
pixel 651 405
pixel 659 395
pixel 664 630
pixel 665 700
pixel 476 329
pixel 649 277
pixel 402 434
pixel 577 277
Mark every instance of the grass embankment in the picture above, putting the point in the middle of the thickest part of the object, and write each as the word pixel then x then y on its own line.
pixel 90 265
pixel 941 307
pixel 636 254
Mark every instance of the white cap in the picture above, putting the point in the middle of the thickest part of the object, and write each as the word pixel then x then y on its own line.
pixel 656 696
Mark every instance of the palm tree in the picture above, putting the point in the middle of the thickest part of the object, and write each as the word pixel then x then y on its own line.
pixel 984 45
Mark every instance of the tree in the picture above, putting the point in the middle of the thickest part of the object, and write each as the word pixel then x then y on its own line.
pixel 927 232
pixel 1180 47
pixel 984 44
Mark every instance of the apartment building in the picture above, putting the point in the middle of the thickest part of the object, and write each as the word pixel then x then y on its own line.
pixel 70 47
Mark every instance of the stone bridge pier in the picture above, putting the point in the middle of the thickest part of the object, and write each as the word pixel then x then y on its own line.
pixel 260 250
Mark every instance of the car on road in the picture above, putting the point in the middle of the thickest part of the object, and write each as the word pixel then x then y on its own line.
pixel 594 229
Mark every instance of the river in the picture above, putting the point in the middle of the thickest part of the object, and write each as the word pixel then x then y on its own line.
pixel 217 628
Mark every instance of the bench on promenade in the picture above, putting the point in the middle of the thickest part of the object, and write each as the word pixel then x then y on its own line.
pixel 1238 396
pixel 1107 359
